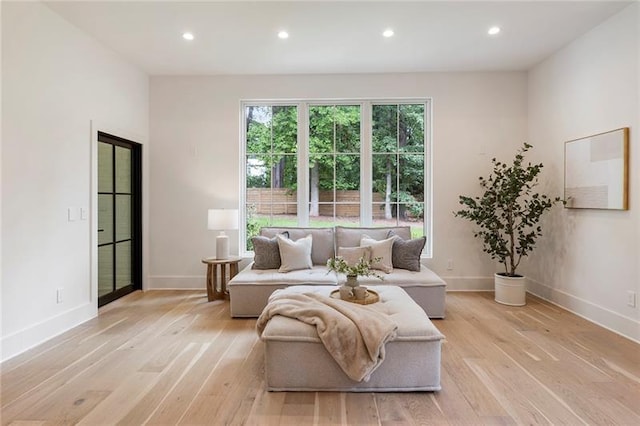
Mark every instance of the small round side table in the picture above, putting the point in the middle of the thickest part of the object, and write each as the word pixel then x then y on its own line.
pixel 220 265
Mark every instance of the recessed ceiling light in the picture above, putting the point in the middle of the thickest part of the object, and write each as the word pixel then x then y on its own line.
pixel 388 33
pixel 493 30
pixel 283 34
pixel 187 36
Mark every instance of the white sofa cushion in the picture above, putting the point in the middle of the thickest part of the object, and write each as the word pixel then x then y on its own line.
pixel 404 278
pixel 317 275
pixel 394 301
pixel 251 288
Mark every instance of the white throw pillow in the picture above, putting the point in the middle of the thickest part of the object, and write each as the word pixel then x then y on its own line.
pixel 295 255
pixel 352 255
pixel 382 249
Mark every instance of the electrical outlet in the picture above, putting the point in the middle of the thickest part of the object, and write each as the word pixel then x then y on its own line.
pixel 59 295
pixel 631 299
pixel 72 214
pixel 449 264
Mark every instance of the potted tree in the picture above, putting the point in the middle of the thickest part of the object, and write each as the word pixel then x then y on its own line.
pixel 507 215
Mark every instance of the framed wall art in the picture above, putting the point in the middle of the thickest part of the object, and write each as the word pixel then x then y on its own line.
pixel 596 171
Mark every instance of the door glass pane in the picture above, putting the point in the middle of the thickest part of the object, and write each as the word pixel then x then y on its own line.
pixel 105 270
pixel 105 167
pixel 123 217
pixel 123 170
pixel 105 218
pixel 123 264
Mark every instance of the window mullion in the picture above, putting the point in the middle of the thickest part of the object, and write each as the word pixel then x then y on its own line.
pixel 303 164
pixel 334 150
pixel 272 158
pixel 242 232
pixel 397 197
pixel 428 175
pixel 366 169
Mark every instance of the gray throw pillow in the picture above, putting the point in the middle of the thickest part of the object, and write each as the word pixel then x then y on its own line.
pixel 405 254
pixel 266 252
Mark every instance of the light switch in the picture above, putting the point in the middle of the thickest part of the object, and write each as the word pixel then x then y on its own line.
pixel 72 214
pixel 84 213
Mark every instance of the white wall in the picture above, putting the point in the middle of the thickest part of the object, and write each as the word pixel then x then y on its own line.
pixel 195 132
pixel 55 81
pixel 590 258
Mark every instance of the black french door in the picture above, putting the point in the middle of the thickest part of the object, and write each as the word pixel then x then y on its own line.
pixel 119 217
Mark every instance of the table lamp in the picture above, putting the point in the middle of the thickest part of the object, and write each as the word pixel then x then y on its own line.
pixel 222 220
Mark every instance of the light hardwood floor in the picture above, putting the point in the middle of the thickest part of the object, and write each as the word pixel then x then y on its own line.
pixel 169 357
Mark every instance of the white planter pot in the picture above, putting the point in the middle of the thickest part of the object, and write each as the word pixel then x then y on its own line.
pixel 510 291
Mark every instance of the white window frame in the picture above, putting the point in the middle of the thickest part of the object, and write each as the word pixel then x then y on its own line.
pixel 366 172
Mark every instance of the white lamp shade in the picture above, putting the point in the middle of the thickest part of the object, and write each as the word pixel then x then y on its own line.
pixel 223 219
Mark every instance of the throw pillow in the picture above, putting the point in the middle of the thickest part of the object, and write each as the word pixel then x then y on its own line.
pixel 352 255
pixel 266 254
pixel 381 249
pixel 295 255
pixel 405 254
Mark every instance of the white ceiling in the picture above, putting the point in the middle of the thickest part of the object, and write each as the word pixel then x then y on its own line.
pixel 239 37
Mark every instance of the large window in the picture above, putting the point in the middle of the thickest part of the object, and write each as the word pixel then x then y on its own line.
pixel 397 133
pixel 334 165
pixel 271 167
pixel 324 164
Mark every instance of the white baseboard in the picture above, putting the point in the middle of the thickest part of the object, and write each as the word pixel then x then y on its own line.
pixel 23 340
pixel 177 282
pixel 613 321
pixel 469 283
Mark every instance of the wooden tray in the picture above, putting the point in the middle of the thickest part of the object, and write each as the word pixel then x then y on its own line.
pixel 372 297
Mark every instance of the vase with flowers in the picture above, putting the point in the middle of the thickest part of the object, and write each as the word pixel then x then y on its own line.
pixel 351 288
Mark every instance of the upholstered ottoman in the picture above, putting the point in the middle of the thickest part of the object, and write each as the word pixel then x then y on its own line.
pixel 296 359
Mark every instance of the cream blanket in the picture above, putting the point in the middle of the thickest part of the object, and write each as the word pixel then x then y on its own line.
pixel 353 334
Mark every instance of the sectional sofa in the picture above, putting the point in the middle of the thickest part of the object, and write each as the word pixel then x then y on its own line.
pixel 250 289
